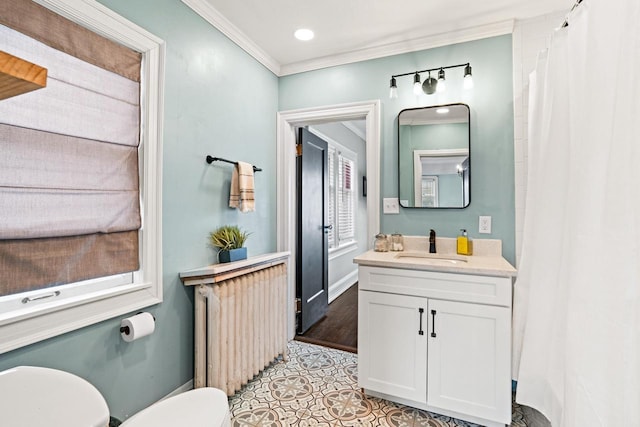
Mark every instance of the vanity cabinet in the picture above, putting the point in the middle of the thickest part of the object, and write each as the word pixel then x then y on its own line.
pixel 392 355
pixel 437 341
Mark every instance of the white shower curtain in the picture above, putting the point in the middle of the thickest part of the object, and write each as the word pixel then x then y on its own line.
pixel 577 296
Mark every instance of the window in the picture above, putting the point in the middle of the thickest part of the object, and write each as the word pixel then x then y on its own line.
pixel 34 315
pixel 429 192
pixel 342 168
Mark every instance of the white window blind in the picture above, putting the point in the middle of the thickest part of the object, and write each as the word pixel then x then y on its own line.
pixel 342 168
pixel 429 191
pixel 332 196
pixel 346 202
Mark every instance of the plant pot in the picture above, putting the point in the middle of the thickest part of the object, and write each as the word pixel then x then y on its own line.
pixel 232 255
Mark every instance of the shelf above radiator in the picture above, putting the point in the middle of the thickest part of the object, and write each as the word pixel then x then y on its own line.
pixel 219 272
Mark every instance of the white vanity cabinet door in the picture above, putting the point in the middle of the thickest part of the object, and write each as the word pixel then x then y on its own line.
pixel 468 364
pixel 392 354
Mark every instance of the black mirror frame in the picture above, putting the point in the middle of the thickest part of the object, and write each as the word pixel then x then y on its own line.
pixel 469 139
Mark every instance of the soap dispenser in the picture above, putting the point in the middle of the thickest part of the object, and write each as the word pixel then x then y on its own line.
pixel 432 241
pixel 465 244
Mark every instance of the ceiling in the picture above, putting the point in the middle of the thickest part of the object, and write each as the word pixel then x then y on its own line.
pixel 354 30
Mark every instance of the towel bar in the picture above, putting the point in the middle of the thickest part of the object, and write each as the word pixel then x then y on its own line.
pixel 211 159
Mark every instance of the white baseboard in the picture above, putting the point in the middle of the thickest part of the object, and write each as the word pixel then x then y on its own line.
pixel 336 289
pixel 184 387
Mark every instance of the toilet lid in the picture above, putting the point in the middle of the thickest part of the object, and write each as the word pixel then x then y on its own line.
pixel 35 397
pixel 202 407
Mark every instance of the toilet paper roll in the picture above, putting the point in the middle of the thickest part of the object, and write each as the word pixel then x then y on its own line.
pixel 138 326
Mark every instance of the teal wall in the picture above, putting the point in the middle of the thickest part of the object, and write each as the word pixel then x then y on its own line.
pixel 218 101
pixel 491 104
pixel 450 190
pixel 429 137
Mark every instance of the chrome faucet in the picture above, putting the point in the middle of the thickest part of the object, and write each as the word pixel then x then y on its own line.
pixel 432 241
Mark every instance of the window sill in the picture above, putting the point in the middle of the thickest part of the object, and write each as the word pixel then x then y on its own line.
pixel 342 250
pixel 48 320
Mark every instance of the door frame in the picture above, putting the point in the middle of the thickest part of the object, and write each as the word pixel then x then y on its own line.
pixel 286 217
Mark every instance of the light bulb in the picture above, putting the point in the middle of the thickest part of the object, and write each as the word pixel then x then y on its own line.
pixel 441 85
pixel 417 86
pixel 468 82
pixel 393 88
pixel 468 79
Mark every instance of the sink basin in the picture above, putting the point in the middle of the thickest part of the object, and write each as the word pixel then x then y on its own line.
pixel 426 256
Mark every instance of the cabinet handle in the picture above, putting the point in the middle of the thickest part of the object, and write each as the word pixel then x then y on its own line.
pixel 433 323
pixel 421 311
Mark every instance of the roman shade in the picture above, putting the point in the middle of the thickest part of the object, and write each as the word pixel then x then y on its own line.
pixel 54 30
pixel 69 178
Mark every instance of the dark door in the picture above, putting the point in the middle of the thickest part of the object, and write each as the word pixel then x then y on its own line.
pixel 312 246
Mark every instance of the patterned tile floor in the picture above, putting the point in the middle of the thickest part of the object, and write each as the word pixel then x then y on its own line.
pixel 318 387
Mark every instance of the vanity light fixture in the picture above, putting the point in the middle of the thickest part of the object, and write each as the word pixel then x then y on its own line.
pixel 393 88
pixel 417 86
pixel 468 79
pixel 430 84
pixel 441 84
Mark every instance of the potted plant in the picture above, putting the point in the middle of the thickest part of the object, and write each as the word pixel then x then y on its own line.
pixel 230 241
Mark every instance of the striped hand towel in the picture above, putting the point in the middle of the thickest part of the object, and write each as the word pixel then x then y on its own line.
pixel 241 195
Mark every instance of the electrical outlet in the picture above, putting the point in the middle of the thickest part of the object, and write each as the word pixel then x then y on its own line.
pixel 390 206
pixel 484 225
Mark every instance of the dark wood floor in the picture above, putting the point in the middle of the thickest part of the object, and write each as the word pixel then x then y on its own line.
pixel 339 328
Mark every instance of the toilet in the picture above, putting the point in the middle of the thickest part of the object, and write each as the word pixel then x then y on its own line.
pixel 34 397
pixel 202 407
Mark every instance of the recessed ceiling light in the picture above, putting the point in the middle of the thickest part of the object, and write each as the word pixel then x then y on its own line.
pixel 303 34
pixel 442 110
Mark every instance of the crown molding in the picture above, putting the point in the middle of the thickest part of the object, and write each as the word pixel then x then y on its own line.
pixel 429 42
pixel 215 18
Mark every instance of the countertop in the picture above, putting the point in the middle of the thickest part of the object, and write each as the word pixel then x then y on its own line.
pixel 487 259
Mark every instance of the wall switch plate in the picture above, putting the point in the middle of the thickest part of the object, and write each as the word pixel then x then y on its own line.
pixel 484 225
pixel 390 205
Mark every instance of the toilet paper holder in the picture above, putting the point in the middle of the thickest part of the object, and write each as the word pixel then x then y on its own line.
pixel 127 330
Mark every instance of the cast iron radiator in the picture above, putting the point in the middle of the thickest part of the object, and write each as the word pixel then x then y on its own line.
pixel 240 323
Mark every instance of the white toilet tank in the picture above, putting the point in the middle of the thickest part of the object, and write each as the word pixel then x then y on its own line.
pixel 35 397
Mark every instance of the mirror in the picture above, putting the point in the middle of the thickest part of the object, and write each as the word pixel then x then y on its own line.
pixel 434 161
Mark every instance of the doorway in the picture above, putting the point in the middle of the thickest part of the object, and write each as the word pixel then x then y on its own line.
pixel 339 328
pixel 345 232
pixel 287 123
